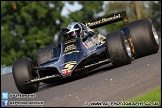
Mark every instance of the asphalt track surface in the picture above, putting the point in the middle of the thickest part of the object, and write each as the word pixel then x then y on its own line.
pixel 106 84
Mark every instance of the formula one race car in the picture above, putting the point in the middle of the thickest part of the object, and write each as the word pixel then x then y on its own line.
pixel 79 55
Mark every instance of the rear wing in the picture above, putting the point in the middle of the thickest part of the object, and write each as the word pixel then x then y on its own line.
pixel 111 18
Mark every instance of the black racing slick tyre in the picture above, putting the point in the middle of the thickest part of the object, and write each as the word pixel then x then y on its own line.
pixel 118 48
pixel 22 72
pixel 144 37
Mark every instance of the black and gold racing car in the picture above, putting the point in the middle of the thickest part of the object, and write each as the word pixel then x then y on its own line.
pixel 77 56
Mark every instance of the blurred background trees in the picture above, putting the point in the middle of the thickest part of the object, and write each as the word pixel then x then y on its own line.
pixel 29 25
pixel 155 16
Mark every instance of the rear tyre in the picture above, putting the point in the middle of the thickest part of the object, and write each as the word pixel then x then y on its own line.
pixel 22 72
pixel 118 48
pixel 144 37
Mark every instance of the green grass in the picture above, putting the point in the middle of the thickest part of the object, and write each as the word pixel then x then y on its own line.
pixel 152 98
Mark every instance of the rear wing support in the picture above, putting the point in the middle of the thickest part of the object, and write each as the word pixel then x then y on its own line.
pixel 111 18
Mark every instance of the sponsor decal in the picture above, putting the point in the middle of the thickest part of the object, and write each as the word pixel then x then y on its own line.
pixel 70 52
pixel 103 20
pixel 68 66
pixel 69 48
pixel 38 79
pixel 66 72
pixel 89 43
pixel 69 41
pixel 85 45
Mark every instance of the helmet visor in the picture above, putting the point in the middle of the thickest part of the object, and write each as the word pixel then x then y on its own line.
pixel 74 33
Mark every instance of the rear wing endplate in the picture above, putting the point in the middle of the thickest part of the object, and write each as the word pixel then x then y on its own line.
pixel 111 18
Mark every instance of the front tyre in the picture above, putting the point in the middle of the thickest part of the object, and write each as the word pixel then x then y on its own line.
pixel 22 72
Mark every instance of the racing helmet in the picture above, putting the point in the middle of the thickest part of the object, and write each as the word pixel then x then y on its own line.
pixel 75 30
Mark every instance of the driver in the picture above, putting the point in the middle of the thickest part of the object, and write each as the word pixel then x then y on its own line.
pixel 75 30
pixel 79 30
